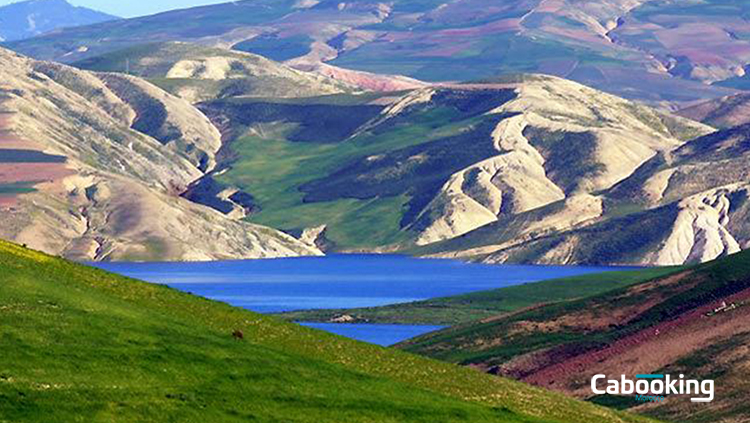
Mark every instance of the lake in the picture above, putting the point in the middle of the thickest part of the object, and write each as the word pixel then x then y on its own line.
pixel 340 281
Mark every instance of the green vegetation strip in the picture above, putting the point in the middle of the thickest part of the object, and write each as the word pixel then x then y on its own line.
pixel 479 305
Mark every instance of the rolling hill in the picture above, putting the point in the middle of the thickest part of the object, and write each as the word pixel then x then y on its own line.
pixel 26 19
pixel 92 165
pixel 694 322
pixel 199 73
pixel 84 345
pixel 634 48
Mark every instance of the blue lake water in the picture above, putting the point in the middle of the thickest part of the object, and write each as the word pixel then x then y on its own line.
pixel 340 281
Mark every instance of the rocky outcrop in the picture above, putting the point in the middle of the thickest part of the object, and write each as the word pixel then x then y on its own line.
pixel 699 232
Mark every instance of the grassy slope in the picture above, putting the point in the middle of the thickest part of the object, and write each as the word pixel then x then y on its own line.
pixel 81 344
pixel 272 166
pixel 478 305
pixel 248 75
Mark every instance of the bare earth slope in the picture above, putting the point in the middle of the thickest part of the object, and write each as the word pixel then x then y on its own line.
pixel 92 165
pixel 684 205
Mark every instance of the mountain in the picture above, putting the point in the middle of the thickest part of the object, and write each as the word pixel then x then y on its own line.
pixel 27 19
pixel 199 73
pixel 133 351
pixel 641 49
pixel 693 322
pixel 92 166
pixel 384 171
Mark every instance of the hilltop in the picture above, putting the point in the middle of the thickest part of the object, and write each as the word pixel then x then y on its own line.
pixel 199 73
pixel 695 321
pixel 139 351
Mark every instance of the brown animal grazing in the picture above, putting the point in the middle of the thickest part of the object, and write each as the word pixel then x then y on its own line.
pixel 238 335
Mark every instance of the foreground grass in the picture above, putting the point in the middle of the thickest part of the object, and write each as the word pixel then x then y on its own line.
pixel 479 305
pixel 80 344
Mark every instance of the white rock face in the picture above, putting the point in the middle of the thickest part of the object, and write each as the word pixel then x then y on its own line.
pixel 215 68
pixel 517 179
pixel 700 231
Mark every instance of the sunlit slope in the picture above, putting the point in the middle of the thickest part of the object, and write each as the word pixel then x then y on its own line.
pixel 84 345
pixel 390 171
pixel 199 73
pixel 636 48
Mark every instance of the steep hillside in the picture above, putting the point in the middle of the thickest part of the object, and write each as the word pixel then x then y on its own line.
pixel 634 48
pixel 199 73
pixel 436 162
pixel 80 343
pixel 26 19
pixel 694 322
pixel 681 206
pixel 91 166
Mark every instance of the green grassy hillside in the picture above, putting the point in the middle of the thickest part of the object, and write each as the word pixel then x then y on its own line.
pixel 309 162
pixel 479 305
pixel 80 344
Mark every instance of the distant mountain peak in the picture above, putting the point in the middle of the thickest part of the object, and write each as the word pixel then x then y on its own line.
pixel 30 18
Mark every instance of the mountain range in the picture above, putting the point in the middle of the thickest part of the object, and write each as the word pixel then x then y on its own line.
pixel 641 49
pixel 527 168
pixel 345 153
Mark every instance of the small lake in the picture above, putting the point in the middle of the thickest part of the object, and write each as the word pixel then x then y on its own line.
pixel 340 281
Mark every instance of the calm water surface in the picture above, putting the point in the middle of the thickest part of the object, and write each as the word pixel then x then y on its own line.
pixel 340 281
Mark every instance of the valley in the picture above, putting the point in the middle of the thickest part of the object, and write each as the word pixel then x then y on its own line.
pixel 406 211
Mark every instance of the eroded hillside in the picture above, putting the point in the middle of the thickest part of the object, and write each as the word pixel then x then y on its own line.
pixel 93 165
pixel 437 162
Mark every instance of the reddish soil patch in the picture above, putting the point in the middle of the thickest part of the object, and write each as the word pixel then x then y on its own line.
pixel 7 201
pixel 648 350
pixel 32 172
